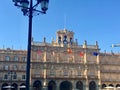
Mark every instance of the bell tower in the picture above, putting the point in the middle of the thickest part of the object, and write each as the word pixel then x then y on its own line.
pixel 65 38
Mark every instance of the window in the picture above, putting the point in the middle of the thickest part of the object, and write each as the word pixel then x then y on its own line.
pixel 7 58
pixel 6 77
pixel 23 77
pixel 65 41
pixel 65 73
pixel 24 59
pixel 6 67
pixel 14 67
pixel 78 73
pixel 60 73
pixel 52 73
pixel 23 67
pixel 15 76
pixel 16 58
pixel 37 74
pixel 71 73
pixel 71 41
pixel 59 40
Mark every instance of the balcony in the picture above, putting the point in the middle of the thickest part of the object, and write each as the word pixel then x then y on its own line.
pixel 91 62
pixel 59 77
pixel 110 63
pixel 41 44
pixel 110 80
pixel 13 80
pixel 110 71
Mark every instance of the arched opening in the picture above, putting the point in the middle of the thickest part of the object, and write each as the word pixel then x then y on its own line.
pixel 118 86
pixel 37 85
pixel 59 40
pixel 79 85
pixel 15 86
pixel 103 86
pixel 51 85
pixel 111 85
pixel 92 85
pixel 66 85
pixel 4 86
pixel 22 86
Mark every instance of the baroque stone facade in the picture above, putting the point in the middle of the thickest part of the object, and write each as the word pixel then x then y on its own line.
pixel 62 64
pixel 12 68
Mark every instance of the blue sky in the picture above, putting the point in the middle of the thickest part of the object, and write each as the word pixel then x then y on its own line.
pixel 91 20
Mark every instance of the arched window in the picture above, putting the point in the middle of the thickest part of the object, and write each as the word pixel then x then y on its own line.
pixel 15 86
pixel 92 85
pixel 111 85
pixel 4 85
pixel 66 85
pixel 51 85
pixel 65 42
pixel 22 86
pixel 79 85
pixel 71 41
pixel 118 85
pixel 59 40
pixel 103 86
pixel 37 85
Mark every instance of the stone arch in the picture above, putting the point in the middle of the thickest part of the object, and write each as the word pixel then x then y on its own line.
pixel 92 85
pixel 37 85
pixel 111 85
pixel 15 86
pixel 3 85
pixel 22 86
pixel 66 85
pixel 52 85
pixel 118 85
pixel 79 85
pixel 59 39
pixel 103 86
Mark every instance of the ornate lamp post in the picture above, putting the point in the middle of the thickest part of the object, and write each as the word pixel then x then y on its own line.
pixel 28 10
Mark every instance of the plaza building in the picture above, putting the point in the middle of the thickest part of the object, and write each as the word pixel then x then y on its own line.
pixel 12 68
pixel 62 64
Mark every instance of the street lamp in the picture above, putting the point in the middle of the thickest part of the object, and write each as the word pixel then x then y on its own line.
pixel 28 10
